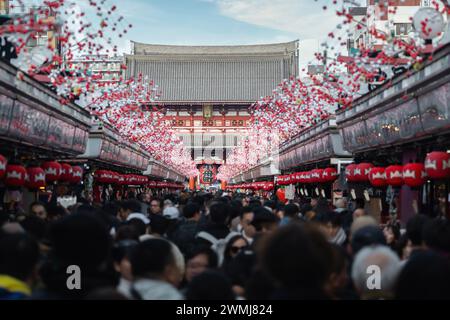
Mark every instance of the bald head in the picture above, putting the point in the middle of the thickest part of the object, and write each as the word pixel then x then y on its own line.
pixel 358 213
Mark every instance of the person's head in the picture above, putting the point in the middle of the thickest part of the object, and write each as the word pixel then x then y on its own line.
pixel 234 246
pixel 19 254
pixel 291 210
pixel 414 229
pixel 80 239
pixel 271 204
pixel 314 202
pixel 331 223
pixel 298 258
pixel 358 213
pixel 56 212
pixel 367 236
pixel 154 259
pixel 361 223
pixel 35 227
pixel 171 213
pixel 155 206
pixel 264 221
pixel 138 225
pixel 338 277
pixel 126 232
pixel 121 257
pixel 379 261
pixel 436 235
pixel 167 203
pixel 210 285
pixel 391 233
pixel 158 224
pixel 425 276
pixel 39 210
pixel 219 213
pixel 191 211
pixel 198 260
pixel 127 207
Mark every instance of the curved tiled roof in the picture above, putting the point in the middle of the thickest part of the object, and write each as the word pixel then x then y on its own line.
pixel 214 73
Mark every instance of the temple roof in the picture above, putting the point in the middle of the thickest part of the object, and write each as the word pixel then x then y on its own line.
pixel 201 74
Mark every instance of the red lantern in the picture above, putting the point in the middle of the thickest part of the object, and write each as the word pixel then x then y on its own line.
pixel 3 163
pixel 103 176
pixel 437 165
pixel 316 176
pixel 281 194
pixel 307 177
pixel 349 173
pixel 35 178
pixel 414 174
pixel 329 175
pixel 77 175
pixel 66 172
pixel 361 172
pixel 394 176
pixel 121 180
pixel 377 177
pixel 52 171
pixel 15 175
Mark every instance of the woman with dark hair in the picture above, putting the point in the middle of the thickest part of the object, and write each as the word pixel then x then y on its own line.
pixel 233 247
pixel 392 234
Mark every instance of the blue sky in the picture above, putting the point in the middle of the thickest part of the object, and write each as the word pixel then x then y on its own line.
pixel 227 22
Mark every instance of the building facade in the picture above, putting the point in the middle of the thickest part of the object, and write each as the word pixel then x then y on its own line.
pixel 206 91
pixel 389 17
pixel 103 68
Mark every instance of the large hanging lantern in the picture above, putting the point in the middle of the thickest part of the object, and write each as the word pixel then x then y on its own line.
pixel 361 172
pixel 52 170
pixel 329 175
pixel 77 175
pixel 281 195
pixel 66 172
pixel 15 175
pixel 414 174
pixel 316 176
pixel 3 163
pixel 350 172
pixel 394 175
pixel 35 178
pixel 437 165
pixel 377 177
pixel 103 176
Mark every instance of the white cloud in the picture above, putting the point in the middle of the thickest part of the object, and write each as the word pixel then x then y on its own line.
pixel 303 19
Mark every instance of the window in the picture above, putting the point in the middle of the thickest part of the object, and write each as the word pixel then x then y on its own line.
pixel 402 29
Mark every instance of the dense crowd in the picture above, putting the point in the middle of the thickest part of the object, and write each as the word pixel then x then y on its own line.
pixel 202 246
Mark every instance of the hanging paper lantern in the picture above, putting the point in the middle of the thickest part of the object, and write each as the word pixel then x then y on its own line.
pixel 377 177
pixel 3 163
pixel 121 180
pixel 52 171
pixel 66 172
pixel 281 195
pixel 15 175
pixel 414 174
pixel 103 176
pixel 361 172
pixel 316 176
pixel 437 165
pixel 329 175
pixel 77 175
pixel 307 176
pixel 394 176
pixel 35 178
pixel 349 173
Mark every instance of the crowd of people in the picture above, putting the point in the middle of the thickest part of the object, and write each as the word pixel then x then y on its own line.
pixel 223 246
